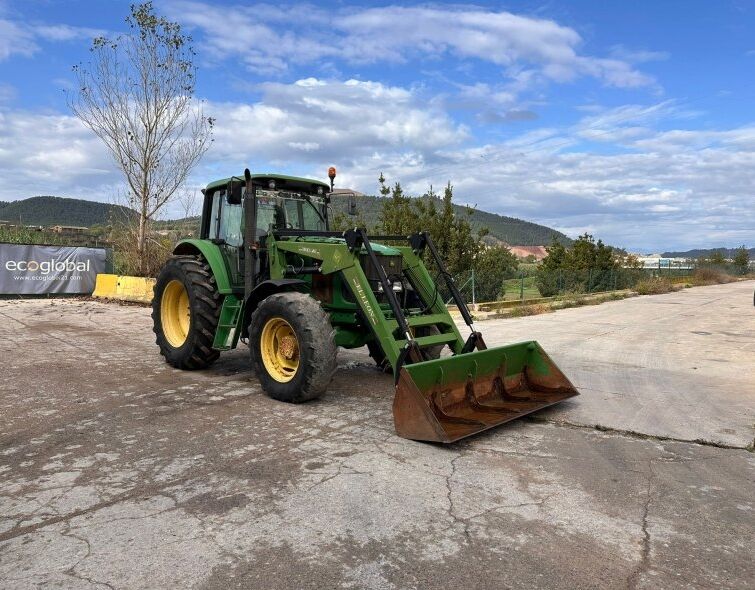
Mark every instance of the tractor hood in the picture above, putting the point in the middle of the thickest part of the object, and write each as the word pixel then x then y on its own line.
pixel 380 249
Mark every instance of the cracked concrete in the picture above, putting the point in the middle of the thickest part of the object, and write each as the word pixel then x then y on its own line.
pixel 117 471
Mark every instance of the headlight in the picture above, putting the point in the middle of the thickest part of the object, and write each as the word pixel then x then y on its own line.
pixel 397 287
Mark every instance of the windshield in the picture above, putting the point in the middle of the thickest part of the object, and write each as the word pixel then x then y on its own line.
pixel 289 210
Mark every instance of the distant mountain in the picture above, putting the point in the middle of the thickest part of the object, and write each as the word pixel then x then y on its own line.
pixel 47 210
pixel 510 230
pixel 63 211
pixel 697 253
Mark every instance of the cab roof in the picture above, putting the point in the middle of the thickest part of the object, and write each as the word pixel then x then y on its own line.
pixel 281 181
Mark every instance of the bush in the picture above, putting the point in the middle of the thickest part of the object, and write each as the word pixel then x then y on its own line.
pixel 654 286
pixel 527 310
pixel 127 260
pixel 710 276
pixel 492 267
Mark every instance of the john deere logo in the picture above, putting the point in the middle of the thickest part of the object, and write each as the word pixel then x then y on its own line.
pixel 365 302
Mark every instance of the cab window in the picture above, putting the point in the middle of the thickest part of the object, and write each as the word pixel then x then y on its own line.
pixel 226 220
pixel 270 212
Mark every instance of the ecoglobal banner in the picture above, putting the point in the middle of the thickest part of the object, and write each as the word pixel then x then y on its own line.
pixel 44 270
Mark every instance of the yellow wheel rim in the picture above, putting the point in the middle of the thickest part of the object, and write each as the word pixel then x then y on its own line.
pixel 175 315
pixel 279 348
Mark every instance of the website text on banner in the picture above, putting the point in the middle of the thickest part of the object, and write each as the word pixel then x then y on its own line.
pixel 44 270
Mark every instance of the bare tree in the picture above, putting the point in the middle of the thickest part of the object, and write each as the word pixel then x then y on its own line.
pixel 137 95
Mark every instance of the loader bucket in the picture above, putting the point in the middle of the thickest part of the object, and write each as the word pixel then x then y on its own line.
pixel 450 398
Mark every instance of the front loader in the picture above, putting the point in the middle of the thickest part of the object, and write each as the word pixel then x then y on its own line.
pixel 268 271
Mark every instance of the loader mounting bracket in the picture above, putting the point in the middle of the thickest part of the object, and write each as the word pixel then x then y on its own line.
pixel 354 239
pixel 474 341
pixel 411 352
pixel 417 242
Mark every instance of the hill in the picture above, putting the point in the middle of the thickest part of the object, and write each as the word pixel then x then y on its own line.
pixel 510 230
pixel 46 210
pixel 698 252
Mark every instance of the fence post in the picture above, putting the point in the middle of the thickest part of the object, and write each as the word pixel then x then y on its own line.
pixel 521 287
pixel 473 295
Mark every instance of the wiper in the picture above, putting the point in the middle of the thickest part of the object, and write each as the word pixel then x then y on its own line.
pixel 309 200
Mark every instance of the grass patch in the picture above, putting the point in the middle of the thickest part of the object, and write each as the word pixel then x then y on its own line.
pixel 579 301
pixel 654 286
pixel 564 302
pixel 513 289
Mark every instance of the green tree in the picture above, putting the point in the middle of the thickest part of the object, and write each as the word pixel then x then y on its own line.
pixel 397 216
pixel 452 233
pixel 717 258
pixel 137 95
pixel 550 271
pixel 492 267
pixel 742 259
pixel 343 221
pixel 586 266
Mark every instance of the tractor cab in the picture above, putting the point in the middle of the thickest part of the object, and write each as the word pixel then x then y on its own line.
pixel 279 203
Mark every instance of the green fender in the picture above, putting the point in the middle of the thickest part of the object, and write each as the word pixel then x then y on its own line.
pixel 211 253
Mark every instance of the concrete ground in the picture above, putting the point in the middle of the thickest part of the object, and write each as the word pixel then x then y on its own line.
pixel 119 471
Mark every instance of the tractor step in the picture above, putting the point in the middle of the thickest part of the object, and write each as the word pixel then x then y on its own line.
pixel 427 320
pixel 435 339
pixel 227 334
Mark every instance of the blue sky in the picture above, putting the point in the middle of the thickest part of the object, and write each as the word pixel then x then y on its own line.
pixel 633 121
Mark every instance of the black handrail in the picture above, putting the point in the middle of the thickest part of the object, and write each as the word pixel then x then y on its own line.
pixel 418 242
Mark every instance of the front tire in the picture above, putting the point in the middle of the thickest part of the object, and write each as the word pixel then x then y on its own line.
pixel 185 312
pixel 292 345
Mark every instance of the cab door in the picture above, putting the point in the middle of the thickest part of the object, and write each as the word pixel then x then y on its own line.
pixel 226 229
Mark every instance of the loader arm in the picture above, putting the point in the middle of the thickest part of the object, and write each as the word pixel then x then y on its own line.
pixel 449 398
pixel 391 327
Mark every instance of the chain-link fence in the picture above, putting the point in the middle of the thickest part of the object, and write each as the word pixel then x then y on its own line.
pixel 531 282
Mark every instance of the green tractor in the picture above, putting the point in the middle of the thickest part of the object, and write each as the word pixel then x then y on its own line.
pixel 268 271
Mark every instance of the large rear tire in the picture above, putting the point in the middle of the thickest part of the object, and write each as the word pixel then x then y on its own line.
pixel 292 345
pixel 185 312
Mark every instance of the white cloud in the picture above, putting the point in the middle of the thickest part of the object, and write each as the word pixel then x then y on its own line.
pixel 301 127
pixel 638 55
pixel 15 39
pixel 44 153
pixel 675 188
pixel 397 34
pixel 320 121
pixel 662 191
pixel 18 38
pixel 66 32
pixel 625 123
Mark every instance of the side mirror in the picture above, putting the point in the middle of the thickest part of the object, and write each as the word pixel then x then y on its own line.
pixel 233 190
pixel 351 208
